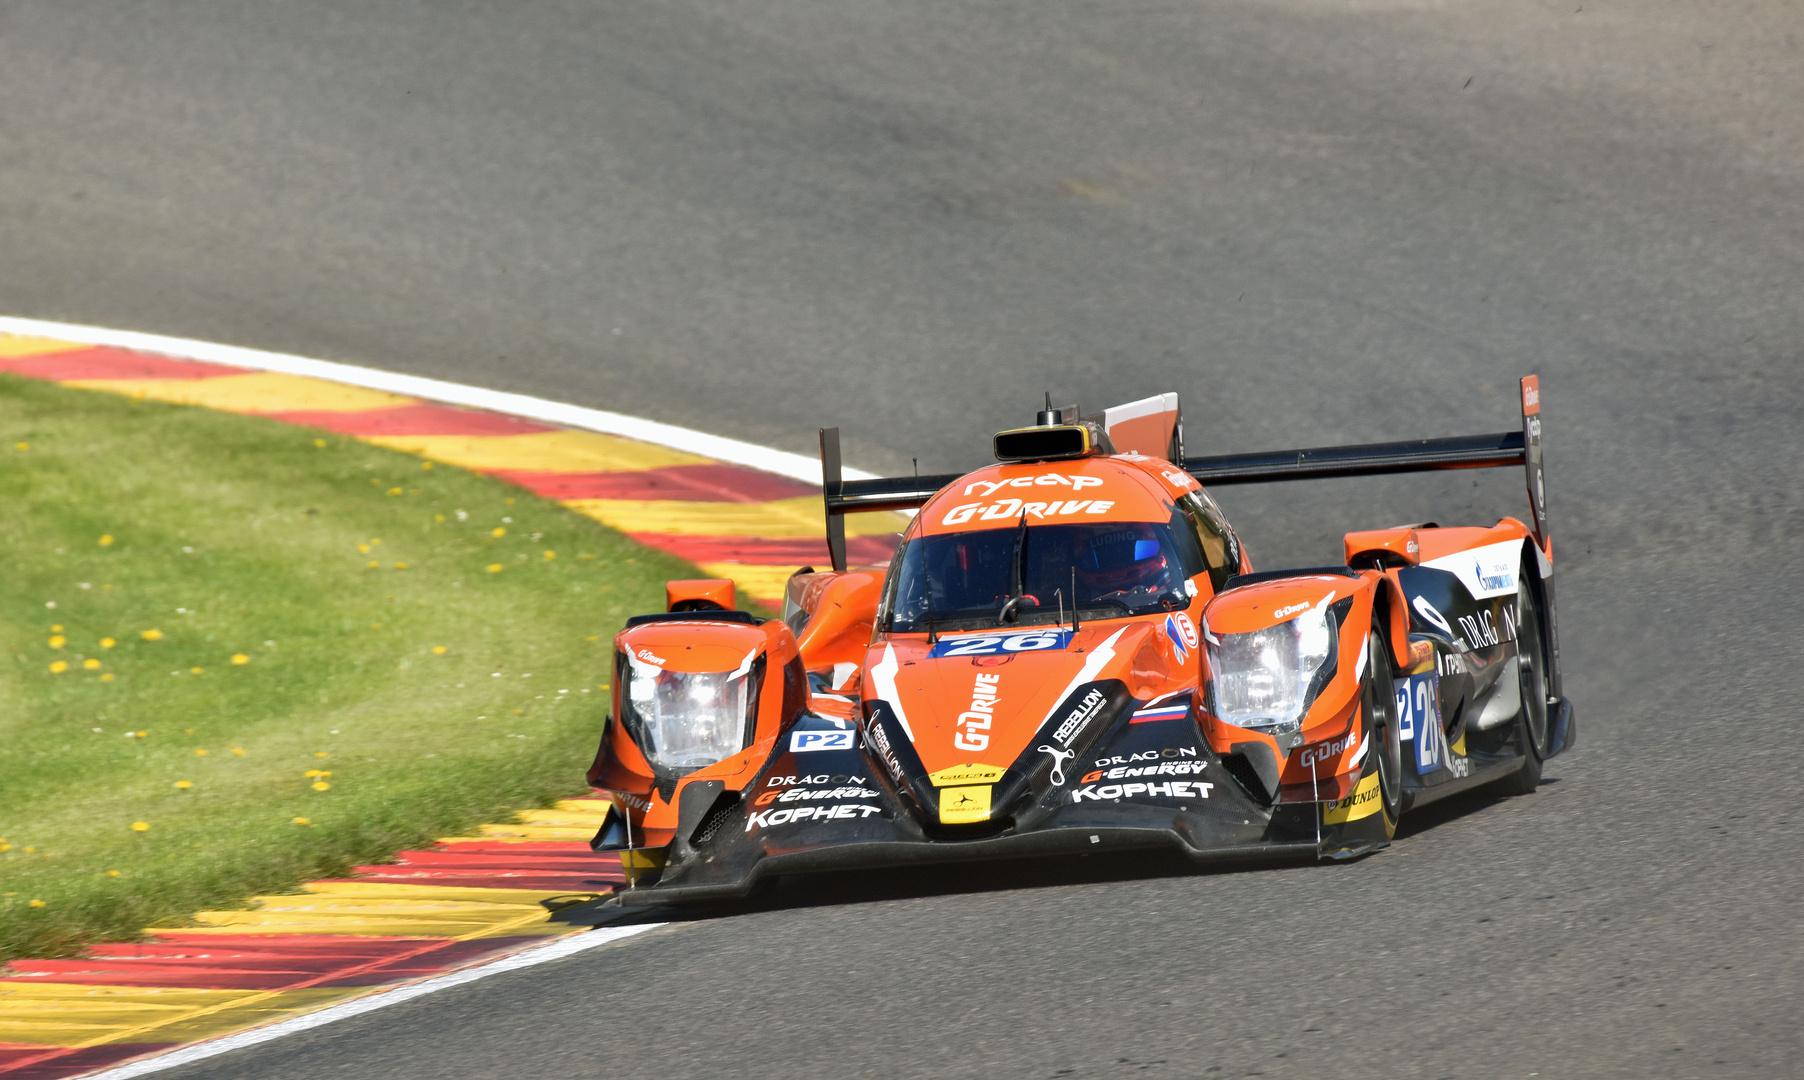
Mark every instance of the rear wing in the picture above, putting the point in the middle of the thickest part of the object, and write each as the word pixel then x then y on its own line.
pixel 1506 449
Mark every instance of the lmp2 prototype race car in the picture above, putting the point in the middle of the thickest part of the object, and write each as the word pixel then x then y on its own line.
pixel 1070 652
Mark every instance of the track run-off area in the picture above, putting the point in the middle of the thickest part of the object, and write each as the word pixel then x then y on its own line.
pixel 469 900
pixel 1319 221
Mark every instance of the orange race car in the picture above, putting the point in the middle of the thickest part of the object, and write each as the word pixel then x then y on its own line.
pixel 1070 652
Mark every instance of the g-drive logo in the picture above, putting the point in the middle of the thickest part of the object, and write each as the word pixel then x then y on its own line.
pixel 1013 509
pixel 803 741
pixel 974 723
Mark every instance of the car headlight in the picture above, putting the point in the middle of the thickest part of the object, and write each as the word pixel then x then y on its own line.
pixel 685 720
pixel 1264 680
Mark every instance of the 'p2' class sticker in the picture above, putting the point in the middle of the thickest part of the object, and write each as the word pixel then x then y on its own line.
pixel 804 741
pixel 992 644
pixel 1419 719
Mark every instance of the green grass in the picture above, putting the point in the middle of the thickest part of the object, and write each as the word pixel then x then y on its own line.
pixel 235 537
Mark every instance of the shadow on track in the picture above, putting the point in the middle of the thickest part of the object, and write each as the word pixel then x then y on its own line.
pixel 912 882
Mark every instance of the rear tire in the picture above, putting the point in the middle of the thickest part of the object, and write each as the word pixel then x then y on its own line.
pixel 1531 669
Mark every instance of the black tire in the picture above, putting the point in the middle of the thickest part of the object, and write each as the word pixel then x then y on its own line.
pixel 1531 722
pixel 1387 744
pixel 1531 646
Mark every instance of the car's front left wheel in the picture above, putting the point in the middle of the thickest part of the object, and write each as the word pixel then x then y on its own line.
pixel 1382 727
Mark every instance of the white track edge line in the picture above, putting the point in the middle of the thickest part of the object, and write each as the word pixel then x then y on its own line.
pixel 380 999
pixel 734 451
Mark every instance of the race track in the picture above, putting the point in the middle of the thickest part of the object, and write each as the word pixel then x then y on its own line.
pixel 1318 221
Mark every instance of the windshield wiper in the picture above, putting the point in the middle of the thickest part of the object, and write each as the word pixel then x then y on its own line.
pixel 1017 583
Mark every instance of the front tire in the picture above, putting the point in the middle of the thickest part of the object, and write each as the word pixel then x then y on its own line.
pixel 1382 726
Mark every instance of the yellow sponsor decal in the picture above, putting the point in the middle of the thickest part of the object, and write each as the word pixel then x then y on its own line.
pixel 966 774
pixel 1460 747
pixel 965 805
pixel 1364 802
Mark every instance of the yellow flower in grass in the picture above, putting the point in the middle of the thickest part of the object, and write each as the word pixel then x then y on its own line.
pixel 5 847
pixel 394 491
pixel 106 540
pixel 321 443
pixel 426 465
pixel 301 821
pixel 321 785
pixel 112 873
pixel 197 671
pixel 494 568
pixel 57 641
pixel 373 564
pixel 35 903
pixel 551 554
pixel 91 664
pixel 438 650
pixel 498 531
pixel 240 659
pixel 400 566
pixel 184 784
pixel 57 667
pixel 21 447
pixel 321 753
pixel 314 774
pixel 140 826
pixel 108 677
pixel 239 750
pixel 200 753
pixel 365 548
pixel 107 643
pixel 152 635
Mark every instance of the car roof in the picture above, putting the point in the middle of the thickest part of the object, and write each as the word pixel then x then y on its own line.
pixel 1119 487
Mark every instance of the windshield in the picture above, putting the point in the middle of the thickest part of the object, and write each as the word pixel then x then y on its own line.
pixel 966 579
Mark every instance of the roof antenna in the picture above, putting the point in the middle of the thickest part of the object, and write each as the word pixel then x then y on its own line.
pixel 1047 415
pixel 917 462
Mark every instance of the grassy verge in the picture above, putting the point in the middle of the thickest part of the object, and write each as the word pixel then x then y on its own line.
pixel 199 612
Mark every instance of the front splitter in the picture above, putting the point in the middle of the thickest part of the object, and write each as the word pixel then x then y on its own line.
pixel 893 853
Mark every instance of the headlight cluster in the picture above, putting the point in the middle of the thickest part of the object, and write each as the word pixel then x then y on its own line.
pixel 1264 680
pixel 685 720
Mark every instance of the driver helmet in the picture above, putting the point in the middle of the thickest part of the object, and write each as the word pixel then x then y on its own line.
pixel 1121 559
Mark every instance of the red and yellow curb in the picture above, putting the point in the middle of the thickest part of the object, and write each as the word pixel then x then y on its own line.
pixel 754 527
pixel 467 899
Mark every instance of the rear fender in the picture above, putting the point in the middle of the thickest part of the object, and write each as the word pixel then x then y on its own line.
pixel 832 615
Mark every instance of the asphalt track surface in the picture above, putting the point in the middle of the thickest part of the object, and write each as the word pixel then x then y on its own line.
pixel 1318 222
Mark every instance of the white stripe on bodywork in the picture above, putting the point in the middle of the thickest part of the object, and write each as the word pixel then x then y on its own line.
pixel 883 680
pixel 1093 664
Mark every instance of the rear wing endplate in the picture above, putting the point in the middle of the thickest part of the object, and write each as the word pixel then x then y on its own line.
pixel 1502 450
